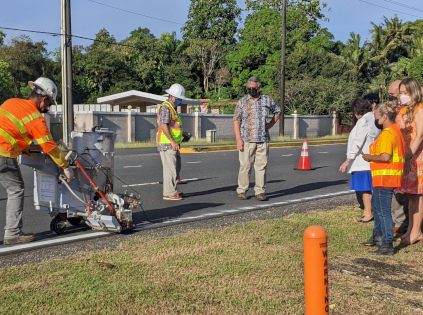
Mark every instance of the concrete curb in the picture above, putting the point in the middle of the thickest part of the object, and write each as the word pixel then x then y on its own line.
pixel 272 145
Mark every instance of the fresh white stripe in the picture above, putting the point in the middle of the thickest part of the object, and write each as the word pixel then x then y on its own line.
pixel 323 152
pixel 132 166
pixel 50 242
pixel 194 162
pixel 287 154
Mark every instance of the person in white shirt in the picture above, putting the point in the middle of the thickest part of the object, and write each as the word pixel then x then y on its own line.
pixel 361 136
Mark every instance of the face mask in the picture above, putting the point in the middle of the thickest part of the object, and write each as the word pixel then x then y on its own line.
pixel 405 99
pixel 378 126
pixel 253 92
pixel 393 98
pixel 178 102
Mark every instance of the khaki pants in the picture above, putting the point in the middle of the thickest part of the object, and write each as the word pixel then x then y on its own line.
pixel 399 210
pixel 171 161
pixel 254 153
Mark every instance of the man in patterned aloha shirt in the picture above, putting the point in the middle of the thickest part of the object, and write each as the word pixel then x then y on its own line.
pixel 252 137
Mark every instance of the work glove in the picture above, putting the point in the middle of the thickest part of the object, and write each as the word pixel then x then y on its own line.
pixel 68 173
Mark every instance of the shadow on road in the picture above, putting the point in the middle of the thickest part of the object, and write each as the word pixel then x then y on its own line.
pixel 304 188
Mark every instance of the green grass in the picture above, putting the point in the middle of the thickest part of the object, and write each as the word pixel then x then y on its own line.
pixel 250 268
pixel 204 142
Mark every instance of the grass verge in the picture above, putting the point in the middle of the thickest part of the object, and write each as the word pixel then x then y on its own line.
pixel 250 268
pixel 203 142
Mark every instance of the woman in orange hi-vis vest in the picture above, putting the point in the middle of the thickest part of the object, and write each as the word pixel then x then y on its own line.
pixel 387 155
pixel 410 121
pixel 21 123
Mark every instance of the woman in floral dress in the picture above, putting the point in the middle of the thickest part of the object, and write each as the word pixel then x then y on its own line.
pixel 410 122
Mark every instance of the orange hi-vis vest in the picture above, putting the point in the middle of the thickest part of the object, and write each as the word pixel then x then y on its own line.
pixel 175 126
pixel 389 174
pixel 20 124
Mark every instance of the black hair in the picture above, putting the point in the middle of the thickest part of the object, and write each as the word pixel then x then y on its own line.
pixel 360 106
pixel 372 98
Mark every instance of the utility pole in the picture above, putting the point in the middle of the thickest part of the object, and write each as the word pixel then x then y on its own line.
pixel 282 116
pixel 66 47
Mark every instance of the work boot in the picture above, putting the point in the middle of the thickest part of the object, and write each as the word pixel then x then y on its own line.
pixel 242 196
pixel 385 249
pixel 23 238
pixel 375 240
pixel 261 197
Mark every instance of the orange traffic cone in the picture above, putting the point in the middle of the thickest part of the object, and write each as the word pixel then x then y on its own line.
pixel 304 163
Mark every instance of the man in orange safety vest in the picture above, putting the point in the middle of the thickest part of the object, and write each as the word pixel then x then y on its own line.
pixel 21 123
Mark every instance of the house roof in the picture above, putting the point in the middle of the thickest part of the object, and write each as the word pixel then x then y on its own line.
pixel 130 96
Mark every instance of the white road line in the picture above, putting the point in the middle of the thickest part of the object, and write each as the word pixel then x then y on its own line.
pixel 156 183
pixel 323 152
pixel 189 180
pixel 132 166
pixel 50 242
pixel 287 154
pixel 194 162
pixel 144 184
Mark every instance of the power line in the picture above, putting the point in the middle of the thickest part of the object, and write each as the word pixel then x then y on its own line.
pixel 376 5
pixel 119 44
pixel 403 5
pixel 127 11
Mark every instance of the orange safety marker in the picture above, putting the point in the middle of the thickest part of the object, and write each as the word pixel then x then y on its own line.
pixel 316 283
pixel 304 163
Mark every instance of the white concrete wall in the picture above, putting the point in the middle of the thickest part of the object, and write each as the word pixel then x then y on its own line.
pixel 136 126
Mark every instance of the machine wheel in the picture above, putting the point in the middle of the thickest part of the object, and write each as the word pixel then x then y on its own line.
pixel 74 221
pixel 57 225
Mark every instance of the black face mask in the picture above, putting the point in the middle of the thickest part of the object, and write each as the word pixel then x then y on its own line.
pixel 253 92
pixel 393 98
pixel 378 126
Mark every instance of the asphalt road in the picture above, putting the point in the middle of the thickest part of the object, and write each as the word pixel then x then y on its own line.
pixel 210 185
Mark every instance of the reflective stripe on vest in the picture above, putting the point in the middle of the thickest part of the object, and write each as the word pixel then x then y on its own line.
pixel 11 140
pixel 20 123
pixel 175 126
pixel 388 174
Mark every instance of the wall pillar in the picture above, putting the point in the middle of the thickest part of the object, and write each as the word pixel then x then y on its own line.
pixel 334 123
pixel 296 125
pixel 197 125
pixel 131 126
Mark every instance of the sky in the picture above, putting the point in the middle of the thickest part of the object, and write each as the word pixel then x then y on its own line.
pixel 89 16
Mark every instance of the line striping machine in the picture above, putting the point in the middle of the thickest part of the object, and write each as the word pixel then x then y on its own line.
pixel 89 197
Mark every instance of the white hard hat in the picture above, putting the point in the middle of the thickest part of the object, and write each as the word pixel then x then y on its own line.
pixel 46 87
pixel 177 91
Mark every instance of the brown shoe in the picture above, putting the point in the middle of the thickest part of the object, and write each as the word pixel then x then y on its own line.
pixel 180 194
pixel 261 197
pixel 175 197
pixel 242 196
pixel 23 238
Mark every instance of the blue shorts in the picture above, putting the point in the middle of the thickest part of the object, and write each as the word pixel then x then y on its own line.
pixel 361 181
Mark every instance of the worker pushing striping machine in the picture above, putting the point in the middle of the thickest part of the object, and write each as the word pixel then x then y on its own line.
pixel 89 197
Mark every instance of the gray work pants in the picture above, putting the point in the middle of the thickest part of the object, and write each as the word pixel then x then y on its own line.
pixel 254 153
pixel 11 179
pixel 399 209
pixel 171 161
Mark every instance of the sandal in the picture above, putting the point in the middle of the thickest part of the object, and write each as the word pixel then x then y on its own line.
pixel 362 221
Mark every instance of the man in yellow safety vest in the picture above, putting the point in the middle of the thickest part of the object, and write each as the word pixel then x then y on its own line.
pixel 168 138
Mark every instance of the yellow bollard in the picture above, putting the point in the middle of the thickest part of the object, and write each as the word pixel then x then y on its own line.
pixel 316 283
